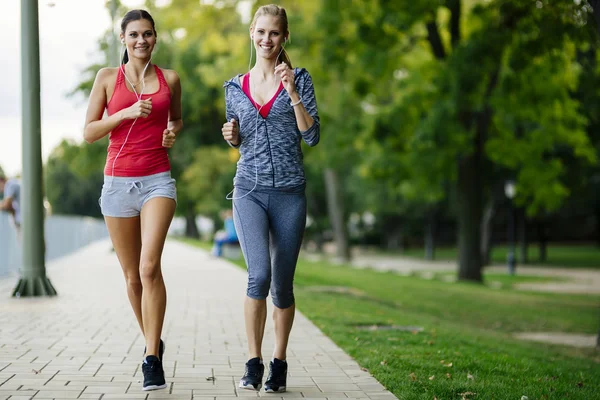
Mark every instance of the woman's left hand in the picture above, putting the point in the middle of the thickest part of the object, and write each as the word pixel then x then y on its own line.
pixel 287 77
pixel 168 139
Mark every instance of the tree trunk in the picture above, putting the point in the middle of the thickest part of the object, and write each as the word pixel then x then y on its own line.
pixel 335 206
pixel 469 218
pixel 486 232
pixel 470 188
pixel 596 9
pixel 392 231
pixel 430 234
pixel 394 240
pixel 598 226
pixel 191 229
pixel 522 236
pixel 319 242
pixel 543 239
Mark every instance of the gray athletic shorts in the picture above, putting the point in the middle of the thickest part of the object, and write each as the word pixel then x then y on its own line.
pixel 124 197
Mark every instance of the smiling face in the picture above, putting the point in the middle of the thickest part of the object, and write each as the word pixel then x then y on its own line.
pixel 140 38
pixel 268 36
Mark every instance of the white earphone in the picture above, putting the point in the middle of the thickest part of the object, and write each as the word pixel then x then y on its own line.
pixel 138 96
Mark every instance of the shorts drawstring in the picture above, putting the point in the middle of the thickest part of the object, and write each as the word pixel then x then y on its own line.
pixel 134 184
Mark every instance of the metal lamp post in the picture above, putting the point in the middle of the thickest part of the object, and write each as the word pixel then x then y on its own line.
pixel 33 281
pixel 510 191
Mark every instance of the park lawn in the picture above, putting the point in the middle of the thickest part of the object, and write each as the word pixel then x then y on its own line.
pixel 496 280
pixel 467 325
pixel 575 256
pixel 194 242
pixel 466 343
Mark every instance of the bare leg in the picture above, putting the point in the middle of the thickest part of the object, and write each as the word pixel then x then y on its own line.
pixel 156 217
pixel 283 319
pixel 125 236
pixel 255 313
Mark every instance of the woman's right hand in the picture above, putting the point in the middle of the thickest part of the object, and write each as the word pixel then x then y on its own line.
pixel 141 108
pixel 231 132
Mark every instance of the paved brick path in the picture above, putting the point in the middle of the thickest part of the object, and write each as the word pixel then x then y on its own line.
pixel 85 343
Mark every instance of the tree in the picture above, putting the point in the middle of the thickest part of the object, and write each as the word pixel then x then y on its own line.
pixel 73 179
pixel 451 100
pixel 209 178
pixel 596 10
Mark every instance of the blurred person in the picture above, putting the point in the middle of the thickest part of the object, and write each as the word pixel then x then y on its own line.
pixel 11 201
pixel 269 111
pixel 138 199
pixel 228 235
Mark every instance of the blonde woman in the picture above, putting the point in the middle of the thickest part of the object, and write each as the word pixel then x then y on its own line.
pixel 270 111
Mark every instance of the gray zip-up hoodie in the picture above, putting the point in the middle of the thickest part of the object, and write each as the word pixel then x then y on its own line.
pixel 272 144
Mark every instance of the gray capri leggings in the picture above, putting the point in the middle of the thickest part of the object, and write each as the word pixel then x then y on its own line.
pixel 270 224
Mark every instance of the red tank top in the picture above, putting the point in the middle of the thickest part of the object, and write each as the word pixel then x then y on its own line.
pixel 143 153
pixel 264 110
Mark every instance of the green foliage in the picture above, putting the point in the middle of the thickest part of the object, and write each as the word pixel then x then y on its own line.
pixel 208 179
pixel 73 179
pixel 397 112
pixel 505 77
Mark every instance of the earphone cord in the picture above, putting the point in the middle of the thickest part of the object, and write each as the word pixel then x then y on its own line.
pixel 139 97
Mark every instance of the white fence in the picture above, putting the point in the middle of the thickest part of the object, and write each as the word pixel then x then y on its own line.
pixel 64 234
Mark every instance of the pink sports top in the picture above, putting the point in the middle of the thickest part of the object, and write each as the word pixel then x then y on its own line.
pixel 143 153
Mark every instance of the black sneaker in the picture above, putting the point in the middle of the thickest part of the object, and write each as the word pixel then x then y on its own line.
pixel 253 376
pixel 154 376
pixel 161 350
pixel 277 376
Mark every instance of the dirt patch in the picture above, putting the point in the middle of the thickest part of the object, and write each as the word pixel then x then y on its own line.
pixel 567 339
pixel 385 327
pixel 351 292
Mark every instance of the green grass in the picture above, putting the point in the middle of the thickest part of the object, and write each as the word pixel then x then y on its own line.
pixel 587 256
pixel 466 344
pixel 194 242
pixel 496 280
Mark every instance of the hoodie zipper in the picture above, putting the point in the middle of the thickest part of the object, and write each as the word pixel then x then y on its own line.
pixel 264 120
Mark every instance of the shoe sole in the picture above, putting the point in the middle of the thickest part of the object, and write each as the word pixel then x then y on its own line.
pixel 280 390
pixel 154 387
pixel 250 387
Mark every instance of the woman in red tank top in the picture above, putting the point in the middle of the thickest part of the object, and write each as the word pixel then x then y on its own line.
pixel 143 104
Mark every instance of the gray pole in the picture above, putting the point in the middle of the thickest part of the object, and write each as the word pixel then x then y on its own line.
pixel 33 280
pixel 114 48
